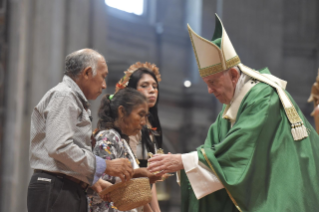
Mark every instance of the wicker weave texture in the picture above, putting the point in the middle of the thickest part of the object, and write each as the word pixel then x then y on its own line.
pixel 131 194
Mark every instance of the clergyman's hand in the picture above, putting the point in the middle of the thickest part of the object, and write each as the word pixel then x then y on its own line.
pixel 164 163
pixel 120 167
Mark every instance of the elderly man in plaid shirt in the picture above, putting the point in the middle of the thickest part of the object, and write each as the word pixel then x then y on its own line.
pixel 60 148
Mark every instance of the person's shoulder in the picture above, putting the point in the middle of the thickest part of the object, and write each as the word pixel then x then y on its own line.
pixel 107 141
pixel 58 95
pixel 59 91
pixel 261 95
pixel 62 94
pixel 62 90
pixel 262 89
pixel 108 134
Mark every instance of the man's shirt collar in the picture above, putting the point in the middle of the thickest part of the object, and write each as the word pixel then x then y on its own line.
pixel 70 83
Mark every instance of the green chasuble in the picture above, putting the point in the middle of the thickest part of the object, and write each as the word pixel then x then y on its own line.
pixel 257 160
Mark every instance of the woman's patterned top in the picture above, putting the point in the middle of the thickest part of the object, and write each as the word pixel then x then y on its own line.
pixel 109 145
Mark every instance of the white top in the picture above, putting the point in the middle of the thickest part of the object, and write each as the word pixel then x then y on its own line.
pixel 136 145
pixel 135 166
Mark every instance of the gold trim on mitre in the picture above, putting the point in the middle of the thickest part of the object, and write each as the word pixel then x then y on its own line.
pixel 214 69
pixel 209 57
pixel 232 62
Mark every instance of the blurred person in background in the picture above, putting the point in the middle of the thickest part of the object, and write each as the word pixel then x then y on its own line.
pixel 60 148
pixel 314 97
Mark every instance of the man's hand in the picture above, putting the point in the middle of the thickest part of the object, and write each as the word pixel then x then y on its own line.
pixel 120 167
pixel 164 163
pixel 99 186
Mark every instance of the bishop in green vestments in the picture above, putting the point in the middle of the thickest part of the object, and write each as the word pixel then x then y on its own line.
pixel 260 155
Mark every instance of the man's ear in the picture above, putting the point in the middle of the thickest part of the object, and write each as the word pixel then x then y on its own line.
pixel 121 111
pixel 87 73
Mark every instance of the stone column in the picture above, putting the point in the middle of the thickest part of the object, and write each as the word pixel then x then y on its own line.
pixel 98 41
pixel 14 144
pixel 36 46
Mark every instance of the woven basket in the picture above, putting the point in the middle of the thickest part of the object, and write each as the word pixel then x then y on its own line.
pixel 131 194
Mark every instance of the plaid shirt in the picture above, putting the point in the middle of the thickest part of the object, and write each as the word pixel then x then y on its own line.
pixel 61 131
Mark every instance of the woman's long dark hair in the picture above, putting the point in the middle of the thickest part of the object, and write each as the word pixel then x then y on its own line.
pixel 108 112
pixel 153 118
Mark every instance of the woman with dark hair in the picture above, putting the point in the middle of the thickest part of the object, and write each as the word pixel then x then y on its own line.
pixel 144 77
pixel 120 116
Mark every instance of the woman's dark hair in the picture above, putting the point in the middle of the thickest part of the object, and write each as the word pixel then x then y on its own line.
pixel 108 112
pixel 153 118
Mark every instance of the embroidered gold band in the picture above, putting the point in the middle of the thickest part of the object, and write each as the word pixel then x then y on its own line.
pixel 232 62
pixel 292 115
pixel 204 72
pixel 211 167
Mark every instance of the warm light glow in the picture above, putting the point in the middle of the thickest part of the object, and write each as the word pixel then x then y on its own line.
pixel 187 83
pixel 130 6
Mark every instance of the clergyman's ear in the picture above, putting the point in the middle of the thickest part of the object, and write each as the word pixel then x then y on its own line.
pixel 234 74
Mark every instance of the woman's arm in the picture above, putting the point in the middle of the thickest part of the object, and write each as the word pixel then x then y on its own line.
pixel 143 172
pixel 154 202
pixel 147 208
pixel 99 186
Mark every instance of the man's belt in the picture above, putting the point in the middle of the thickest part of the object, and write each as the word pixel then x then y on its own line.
pixel 60 175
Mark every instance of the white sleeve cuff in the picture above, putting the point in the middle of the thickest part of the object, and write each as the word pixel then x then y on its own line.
pixel 178 177
pixel 202 180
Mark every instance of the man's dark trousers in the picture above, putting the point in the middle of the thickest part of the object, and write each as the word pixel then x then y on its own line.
pixel 52 193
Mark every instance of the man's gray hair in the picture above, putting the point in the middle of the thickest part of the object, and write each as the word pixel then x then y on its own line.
pixel 77 61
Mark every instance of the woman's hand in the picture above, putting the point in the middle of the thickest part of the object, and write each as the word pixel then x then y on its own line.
pixel 143 172
pixel 154 178
pixel 101 185
pixel 106 197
